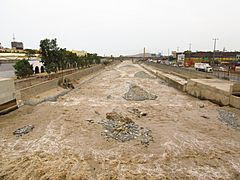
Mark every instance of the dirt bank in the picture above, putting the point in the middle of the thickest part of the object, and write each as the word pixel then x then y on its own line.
pixel 189 141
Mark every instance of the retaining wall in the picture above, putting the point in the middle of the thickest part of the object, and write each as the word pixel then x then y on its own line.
pixel 185 73
pixel 176 82
pixel 234 101
pixel 203 91
pixel 7 95
pixel 24 83
pixel 32 91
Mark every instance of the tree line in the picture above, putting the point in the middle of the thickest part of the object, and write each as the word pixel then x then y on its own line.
pixel 54 59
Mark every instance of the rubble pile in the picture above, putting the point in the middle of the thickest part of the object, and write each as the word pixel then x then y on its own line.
pixel 227 117
pixel 144 75
pixel 137 112
pixel 124 129
pixel 23 130
pixel 136 93
pixel 65 83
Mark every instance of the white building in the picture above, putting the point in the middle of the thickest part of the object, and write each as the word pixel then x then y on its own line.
pixel 180 57
pixel 38 66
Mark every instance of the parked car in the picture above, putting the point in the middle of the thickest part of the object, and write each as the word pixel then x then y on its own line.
pixel 222 69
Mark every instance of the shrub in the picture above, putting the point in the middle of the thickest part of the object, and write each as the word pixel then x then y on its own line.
pixel 23 69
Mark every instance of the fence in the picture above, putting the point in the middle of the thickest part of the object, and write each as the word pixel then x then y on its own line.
pixel 232 76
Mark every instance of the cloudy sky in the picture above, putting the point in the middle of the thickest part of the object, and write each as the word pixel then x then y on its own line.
pixel 122 26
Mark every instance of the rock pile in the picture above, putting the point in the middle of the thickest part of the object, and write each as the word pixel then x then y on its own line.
pixel 136 93
pixel 124 129
pixel 227 117
pixel 142 74
pixel 23 130
pixel 65 83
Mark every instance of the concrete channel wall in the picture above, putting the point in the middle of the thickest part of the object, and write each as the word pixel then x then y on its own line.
pixel 215 90
pixel 172 80
pixel 24 83
pixel 191 73
pixel 34 90
pixel 204 91
pixel 7 95
pixel 182 72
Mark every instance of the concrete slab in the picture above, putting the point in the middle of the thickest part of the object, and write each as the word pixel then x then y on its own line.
pixel 174 81
pixel 216 83
pixel 215 90
pixel 7 90
pixel 7 95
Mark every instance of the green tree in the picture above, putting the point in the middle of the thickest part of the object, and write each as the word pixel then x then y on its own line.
pixel 50 53
pixel 23 68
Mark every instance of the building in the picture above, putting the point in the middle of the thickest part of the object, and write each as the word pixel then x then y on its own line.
pixel 180 59
pixel 79 53
pixel 208 57
pixel 1 47
pixel 17 45
pixel 37 65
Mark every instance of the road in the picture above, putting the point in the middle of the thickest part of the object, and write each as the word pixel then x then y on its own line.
pixel 189 142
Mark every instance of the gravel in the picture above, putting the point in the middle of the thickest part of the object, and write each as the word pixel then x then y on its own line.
pixel 124 129
pixel 136 93
pixel 142 74
pixel 228 118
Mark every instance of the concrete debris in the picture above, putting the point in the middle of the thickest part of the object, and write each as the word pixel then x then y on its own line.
pixel 23 130
pixel 124 129
pixel 65 83
pixel 136 93
pixel 142 74
pixel 205 117
pixel 109 97
pixel 227 117
pixel 137 112
pixel 96 112
pixel 90 121
pixel 118 117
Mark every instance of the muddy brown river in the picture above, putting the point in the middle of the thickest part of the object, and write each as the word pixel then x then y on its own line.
pixel 67 141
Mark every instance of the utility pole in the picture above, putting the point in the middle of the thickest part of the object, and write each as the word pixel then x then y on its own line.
pixel 14 38
pixel 190 46
pixel 144 53
pixel 168 55
pixel 177 49
pixel 214 48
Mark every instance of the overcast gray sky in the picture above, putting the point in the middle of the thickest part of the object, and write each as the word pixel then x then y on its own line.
pixel 122 26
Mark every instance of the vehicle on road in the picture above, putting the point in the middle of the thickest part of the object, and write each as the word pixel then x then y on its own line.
pixel 205 67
